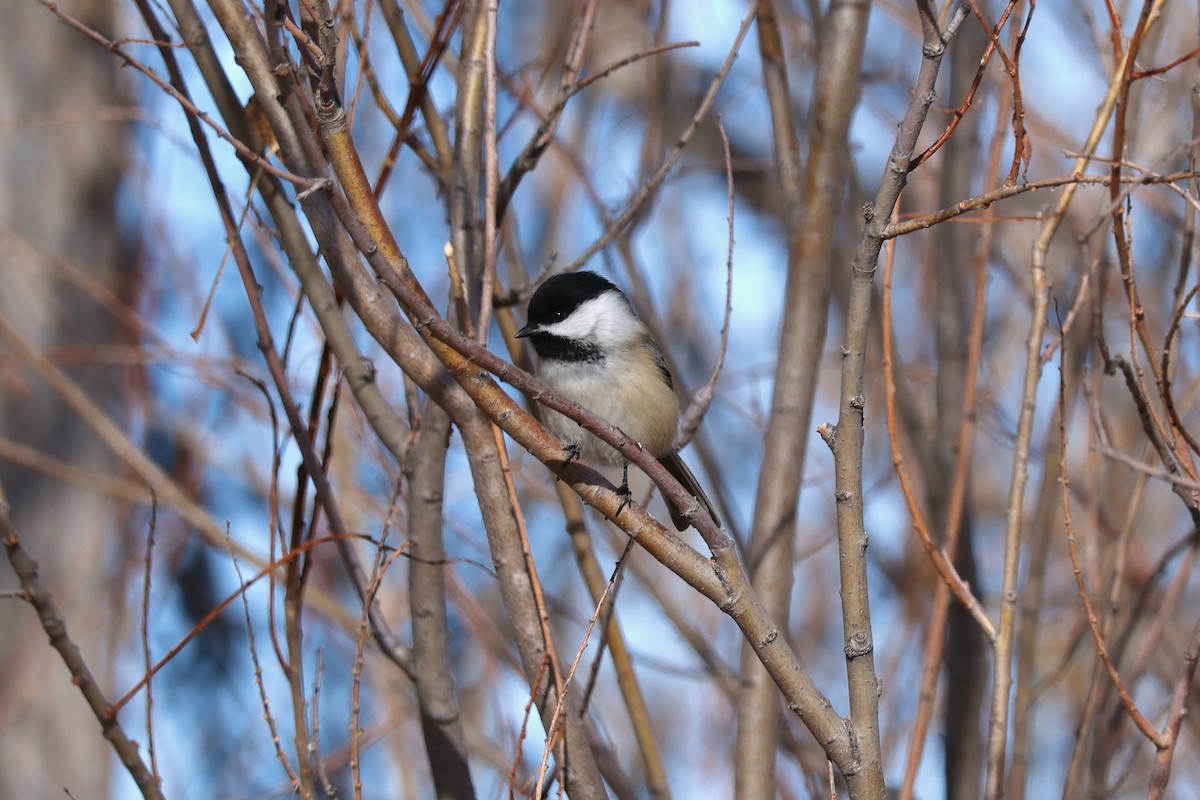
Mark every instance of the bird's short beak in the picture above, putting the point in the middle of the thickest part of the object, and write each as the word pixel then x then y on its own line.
pixel 528 330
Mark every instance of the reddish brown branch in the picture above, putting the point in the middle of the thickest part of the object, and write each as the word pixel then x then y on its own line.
pixel 1148 730
pixel 961 111
pixel 1161 773
pixel 1137 75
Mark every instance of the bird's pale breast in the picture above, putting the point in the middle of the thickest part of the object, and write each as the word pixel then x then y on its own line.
pixel 645 410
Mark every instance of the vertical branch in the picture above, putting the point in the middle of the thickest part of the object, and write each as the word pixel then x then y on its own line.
pixel 1002 670
pixel 809 217
pixel 1029 645
pixel 657 783
pixel 1137 321
pixel 293 621
pixel 491 173
pixel 955 508
pixel 949 502
pixel 581 772
pixel 301 786
pixel 465 185
pixel 145 632
pixel 379 567
pixel 315 721
pixel 847 439
pixel 437 698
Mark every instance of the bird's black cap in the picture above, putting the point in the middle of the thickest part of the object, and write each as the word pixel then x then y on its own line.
pixel 561 294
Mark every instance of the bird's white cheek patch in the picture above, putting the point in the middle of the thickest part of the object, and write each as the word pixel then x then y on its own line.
pixel 605 320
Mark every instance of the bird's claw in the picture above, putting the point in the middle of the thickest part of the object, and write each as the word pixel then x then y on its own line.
pixel 626 497
pixel 623 492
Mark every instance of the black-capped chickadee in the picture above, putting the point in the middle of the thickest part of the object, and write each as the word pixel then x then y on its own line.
pixel 592 348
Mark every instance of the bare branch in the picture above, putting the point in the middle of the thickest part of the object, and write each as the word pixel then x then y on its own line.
pixel 56 628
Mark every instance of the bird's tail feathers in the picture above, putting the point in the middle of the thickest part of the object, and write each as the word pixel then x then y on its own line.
pixel 680 471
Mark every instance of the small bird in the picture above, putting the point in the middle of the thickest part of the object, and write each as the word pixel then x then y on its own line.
pixel 592 348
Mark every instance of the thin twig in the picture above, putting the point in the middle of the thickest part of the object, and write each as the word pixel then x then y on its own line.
pixel 1003 645
pixel 937 553
pixel 55 627
pixel 1003 192
pixel 1143 724
pixel 634 205
pixel 657 783
pixel 208 618
pixel 1145 469
pixel 541 139
pixel 703 397
pixel 960 112
pixel 314 746
pixel 560 707
pixel 1137 75
pixel 145 633
pixel 1180 695
pixel 419 76
pixel 297 785
pixel 379 568
pixel 939 618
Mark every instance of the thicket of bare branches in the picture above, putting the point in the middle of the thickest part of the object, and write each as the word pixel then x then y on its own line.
pixel 273 483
